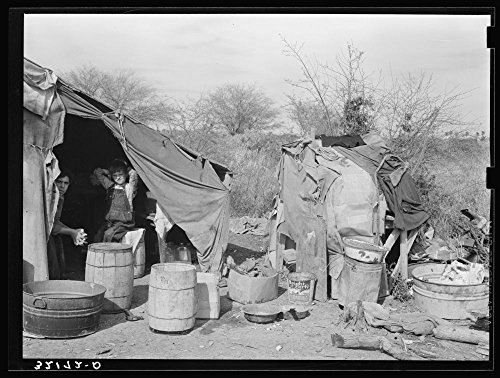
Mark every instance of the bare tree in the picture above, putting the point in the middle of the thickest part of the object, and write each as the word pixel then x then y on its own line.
pixel 316 85
pixel 123 91
pixel 342 92
pixel 412 113
pixel 415 116
pixel 87 78
pixel 237 108
pixel 192 126
pixel 307 114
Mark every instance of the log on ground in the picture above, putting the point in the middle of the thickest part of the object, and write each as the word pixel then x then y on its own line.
pixel 372 343
pixel 461 334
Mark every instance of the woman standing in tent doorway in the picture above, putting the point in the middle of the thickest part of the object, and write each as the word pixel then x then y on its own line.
pixel 55 250
pixel 120 182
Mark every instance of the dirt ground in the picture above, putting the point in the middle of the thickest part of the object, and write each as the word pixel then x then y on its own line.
pixel 232 337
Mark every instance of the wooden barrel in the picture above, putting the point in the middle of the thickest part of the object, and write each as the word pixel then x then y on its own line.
pixel 172 303
pixel 139 251
pixel 112 266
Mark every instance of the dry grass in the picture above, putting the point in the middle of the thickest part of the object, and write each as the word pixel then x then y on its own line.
pixel 459 167
pixel 254 158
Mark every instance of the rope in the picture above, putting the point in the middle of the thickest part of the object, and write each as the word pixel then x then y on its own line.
pixel 121 128
pixel 120 117
pixel 41 148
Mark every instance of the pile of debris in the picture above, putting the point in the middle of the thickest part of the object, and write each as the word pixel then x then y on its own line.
pixel 473 244
pixel 252 267
pixel 457 273
pixel 249 225
pixel 362 315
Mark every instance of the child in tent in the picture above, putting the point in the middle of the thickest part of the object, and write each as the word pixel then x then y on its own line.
pixel 120 182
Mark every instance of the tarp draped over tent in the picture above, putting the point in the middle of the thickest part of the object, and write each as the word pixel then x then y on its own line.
pixel 324 191
pixel 43 124
pixel 395 181
pixel 349 191
pixel 186 186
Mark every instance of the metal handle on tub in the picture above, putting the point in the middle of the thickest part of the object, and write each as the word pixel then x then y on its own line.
pixel 42 306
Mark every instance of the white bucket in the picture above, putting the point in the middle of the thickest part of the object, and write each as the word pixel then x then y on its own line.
pixel 363 251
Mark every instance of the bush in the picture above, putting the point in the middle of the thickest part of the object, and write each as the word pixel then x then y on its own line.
pixel 455 180
pixel 253 157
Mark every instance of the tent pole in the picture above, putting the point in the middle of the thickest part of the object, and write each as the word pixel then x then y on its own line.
pixel 280 246
pixel 312 134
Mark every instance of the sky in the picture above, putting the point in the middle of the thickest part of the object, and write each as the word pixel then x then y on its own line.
pixel 187 54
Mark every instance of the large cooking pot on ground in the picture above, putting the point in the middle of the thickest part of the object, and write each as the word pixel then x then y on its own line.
pixel 62 308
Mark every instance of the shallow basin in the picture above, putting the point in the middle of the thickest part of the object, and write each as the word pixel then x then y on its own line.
pixel 261 313
pixel 444 300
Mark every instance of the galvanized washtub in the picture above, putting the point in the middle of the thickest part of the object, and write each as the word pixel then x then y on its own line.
pixel 62 308
pixel 447 301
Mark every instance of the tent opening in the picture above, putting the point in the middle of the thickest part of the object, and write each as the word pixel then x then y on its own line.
pixel 89 144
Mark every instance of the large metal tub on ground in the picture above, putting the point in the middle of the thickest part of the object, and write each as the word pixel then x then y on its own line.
pixel 62 308
pixel 447 301
pixel 245 289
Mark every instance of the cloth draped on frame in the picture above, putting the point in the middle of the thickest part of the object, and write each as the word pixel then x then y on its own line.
pixel 395 181
pixel 193 189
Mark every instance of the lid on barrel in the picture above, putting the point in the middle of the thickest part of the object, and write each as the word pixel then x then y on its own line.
pixel 110 247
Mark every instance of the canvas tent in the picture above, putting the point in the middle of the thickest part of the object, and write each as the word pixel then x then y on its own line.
pixel 331 192
pixel 63 123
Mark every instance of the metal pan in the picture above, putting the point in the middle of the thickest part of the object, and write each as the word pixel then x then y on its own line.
pixel 261 313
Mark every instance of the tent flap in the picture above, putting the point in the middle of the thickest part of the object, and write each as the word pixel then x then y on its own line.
pixel 189 189
pixel 191 193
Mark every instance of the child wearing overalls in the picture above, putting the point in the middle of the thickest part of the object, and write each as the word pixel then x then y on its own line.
pixel 120 183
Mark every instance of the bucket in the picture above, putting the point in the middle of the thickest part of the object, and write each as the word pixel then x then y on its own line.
pixel 301 287
pixel 62 309
pixel 207 293
pixel 112 266
pixel 139 250
pixel 172 303
pixel 246 290
pixel 363 251
pixel 447 301
pixel 359 281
